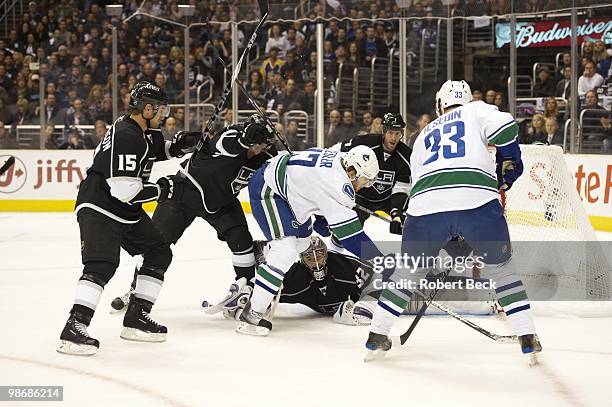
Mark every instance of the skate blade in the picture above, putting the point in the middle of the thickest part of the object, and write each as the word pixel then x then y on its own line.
pixel 114 311
pixel 71 348
pixel 373 355
pixel 133 334
pixel 248 329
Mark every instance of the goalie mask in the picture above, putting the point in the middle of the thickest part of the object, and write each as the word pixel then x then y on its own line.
pixel 364 161
pixel 145 93
pixel 315 258
pixel 452 93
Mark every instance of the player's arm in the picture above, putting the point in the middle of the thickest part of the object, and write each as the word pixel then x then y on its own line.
pixel 350 143
pixel 400 192
pixel 183 142
pixel 128 155
pixel 501 130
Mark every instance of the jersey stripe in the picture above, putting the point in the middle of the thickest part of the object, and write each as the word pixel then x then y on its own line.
pixel 456 178
pixel 281 175
pixel 348 229
pixel 455 187
pixel 505 135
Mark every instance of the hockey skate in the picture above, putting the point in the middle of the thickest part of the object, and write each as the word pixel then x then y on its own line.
pixel 75 339
pixel 138 324
pixel 377 346
pixel 237 296
pixel 119 304
pixel 253 323
pixel 530 346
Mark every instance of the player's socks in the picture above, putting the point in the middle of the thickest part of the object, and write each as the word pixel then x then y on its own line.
pixel 74 339
pixel 148 284
pixel 244 264
pixel 390 306
pixel 138 324
pixel 268 281
pixel 88 295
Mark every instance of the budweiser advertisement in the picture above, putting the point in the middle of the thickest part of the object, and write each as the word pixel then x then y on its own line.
pixel 554 33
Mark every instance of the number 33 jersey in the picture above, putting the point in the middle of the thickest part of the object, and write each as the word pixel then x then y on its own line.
pixel 452 168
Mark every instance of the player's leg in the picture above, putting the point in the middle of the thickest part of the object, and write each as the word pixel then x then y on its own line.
pixel 145 238
pixel 172 219
pixel 423 237
pixel 486 230
pixel 100 245
pixel 231 226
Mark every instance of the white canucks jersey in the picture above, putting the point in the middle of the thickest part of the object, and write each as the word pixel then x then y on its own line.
pixel 314 182
pixel 451 166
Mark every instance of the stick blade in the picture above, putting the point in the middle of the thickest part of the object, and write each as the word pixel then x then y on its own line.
pixel 8 164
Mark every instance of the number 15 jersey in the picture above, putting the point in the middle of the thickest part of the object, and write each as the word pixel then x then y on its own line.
pixel 452 168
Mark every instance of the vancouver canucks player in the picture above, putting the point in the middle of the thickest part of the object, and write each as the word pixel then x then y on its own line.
pixel 285 193
pixel 455 192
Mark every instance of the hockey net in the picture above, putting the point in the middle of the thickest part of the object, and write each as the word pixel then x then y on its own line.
pixel 544 206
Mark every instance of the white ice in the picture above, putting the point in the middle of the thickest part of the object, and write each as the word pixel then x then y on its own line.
pixel 306 361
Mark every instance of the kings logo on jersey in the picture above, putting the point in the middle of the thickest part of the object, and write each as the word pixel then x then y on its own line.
pixel 242 179
pixel 384 181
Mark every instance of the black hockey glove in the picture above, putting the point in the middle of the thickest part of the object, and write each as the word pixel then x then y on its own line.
pixel 184 142
pixel 397 221
pixel 166 188
pixel 257 133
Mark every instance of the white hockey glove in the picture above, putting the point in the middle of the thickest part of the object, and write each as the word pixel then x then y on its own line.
pixel 355 313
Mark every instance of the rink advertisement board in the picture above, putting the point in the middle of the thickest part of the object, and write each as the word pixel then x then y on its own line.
pixel 49 181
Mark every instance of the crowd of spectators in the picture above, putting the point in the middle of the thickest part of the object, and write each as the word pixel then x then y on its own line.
pixel 71 42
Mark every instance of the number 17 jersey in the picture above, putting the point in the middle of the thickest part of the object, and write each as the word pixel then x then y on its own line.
pixel 452 168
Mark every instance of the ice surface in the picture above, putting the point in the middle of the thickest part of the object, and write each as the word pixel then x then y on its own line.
pixel 306 361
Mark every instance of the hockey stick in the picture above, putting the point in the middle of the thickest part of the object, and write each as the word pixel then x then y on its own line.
pixel 478 328
pixel 264 8
pixel 404 337
pixel 251 101
pixel 8 164
pixel 373 213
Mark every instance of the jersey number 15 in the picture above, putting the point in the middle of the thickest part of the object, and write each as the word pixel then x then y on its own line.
pixel 456 130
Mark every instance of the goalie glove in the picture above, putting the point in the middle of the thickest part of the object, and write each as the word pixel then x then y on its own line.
pixel 355 313
pixel 397 221
pixel 184 142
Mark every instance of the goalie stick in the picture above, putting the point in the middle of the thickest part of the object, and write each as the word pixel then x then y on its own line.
pixel 251 101
pixel 264 8
pixel 8 164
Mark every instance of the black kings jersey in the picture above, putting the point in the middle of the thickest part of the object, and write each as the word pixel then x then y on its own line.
pixel 394 176
pixel 344 280
pixel 220 170
pixel 126 154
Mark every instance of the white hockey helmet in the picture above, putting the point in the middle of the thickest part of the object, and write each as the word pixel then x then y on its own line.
pixel 363 159
pixel 452 93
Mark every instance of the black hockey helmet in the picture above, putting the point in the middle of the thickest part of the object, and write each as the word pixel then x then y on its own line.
pixel 145 93
pixel 315 258
pixel 393 121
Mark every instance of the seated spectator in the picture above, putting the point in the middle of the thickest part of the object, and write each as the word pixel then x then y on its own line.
pixel 272 64
pixel 290 97
pixel 276 40
pixel 476 95
pixel 500 102
pixel 328 52
pixel 100 130
pixel 295 141
pixel 344 130
pixel 591 101
pixel 606 124
pixel 175 84
pixel 545 85
pixel 599 53
pixel 308 98
pixel 564 86
pixel 52 112
pixel 292 68
pixel 334 121
pixel 366 122
pixel 309 73
pixel 354 54
pixel 376 126
pixel 340 59
pixel 105 113
pixel 566 62
pixel 170 128
pixel 536 133
pixel 551 108
pixel 372 46
pixel 74 141
pixel 422 122
pixel 22 116
pixel 589 80
pixel 554 135
pixel 76 115
pixel 389 37
pixel 605 65
pixel 52 140
pixel 490 97
pixel 257 97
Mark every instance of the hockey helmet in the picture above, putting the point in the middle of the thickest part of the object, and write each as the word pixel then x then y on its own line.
pixel 452 93
pixel 393 121
pixel 364 161
pixel 145 93
pixel 315 258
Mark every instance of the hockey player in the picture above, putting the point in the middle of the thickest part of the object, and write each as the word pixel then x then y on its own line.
pixel 284 194
pixel 110 215
pixel 210 184
pixel 455 192
pixel 391 189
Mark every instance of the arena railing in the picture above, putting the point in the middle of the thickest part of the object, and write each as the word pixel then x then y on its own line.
pixel 29 136
pixel 592 131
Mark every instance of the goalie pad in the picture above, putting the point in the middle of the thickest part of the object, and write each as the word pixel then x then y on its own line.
pixel 355 313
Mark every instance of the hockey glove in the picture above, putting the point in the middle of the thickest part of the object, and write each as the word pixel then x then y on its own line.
pixel 509 165
pixel 321 226
pixel 184 142
pixel 166 189
pixel 397 221
pixel 257 132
